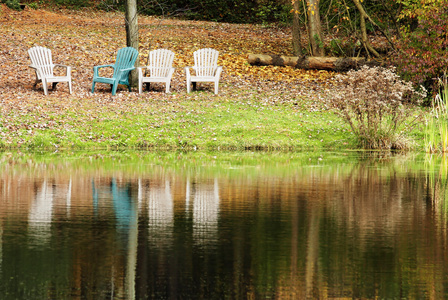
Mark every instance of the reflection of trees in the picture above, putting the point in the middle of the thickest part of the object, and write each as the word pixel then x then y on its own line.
pixel 353 232
pixel 358 231
pixel 364 219
pixel 1 246
pixel 437 198
pixel 29 268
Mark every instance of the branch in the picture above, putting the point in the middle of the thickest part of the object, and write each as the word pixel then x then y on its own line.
pixel 366 16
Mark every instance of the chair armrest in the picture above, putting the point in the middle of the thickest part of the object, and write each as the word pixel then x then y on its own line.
pixel 218 71
pixel 96 69
pixel 37 70
pixel 59 65
pixel 187 71
pixel 127 69
pixel 104 66
pixel 68 69
pixel 122 73
pixel 171 72
pixel 140 71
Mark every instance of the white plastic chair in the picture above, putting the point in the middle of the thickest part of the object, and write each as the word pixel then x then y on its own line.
pixel 160 69
pixel 206 68
pixel 42 64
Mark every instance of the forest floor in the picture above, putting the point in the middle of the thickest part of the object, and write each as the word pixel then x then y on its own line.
pixel 83 39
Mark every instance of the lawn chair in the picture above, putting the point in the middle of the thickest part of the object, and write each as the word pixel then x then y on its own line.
pixel 206 68
pixel 160 69
pixel 124 64
pixel 42 63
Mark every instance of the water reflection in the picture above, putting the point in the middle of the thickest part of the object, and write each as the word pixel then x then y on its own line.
pixel 159 200
pixel 40 215
pixel 286 229
pixel 205 211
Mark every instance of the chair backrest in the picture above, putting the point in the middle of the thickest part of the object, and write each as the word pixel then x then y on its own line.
pixel 160 62
pixel 205 62
pixel 126 58
pixel 41 59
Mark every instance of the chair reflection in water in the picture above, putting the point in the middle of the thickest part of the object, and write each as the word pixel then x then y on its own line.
pixel 40 215
pixel 125 210
pixel 126 214
pixel 160 210
pixel 41 212
pixel 205 210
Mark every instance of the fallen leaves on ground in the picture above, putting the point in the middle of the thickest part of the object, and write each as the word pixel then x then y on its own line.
pixel 83 39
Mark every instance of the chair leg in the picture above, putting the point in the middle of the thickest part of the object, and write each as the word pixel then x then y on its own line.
pixel 93 87
pixel 70 86
pixel 44 85
pixel 167 90
pixel 36 81
pixel 216 87
pixel 114 88
pixel 188 86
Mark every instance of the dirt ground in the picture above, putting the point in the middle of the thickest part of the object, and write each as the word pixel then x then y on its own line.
pixel 85 38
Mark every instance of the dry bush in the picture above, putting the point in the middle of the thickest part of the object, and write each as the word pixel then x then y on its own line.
pixel 377 105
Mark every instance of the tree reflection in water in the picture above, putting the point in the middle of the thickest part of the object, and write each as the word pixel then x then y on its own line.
pixel 285 230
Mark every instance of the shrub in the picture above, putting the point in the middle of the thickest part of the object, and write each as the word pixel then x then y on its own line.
pixel 232 11
pixel 377 105
pixel 33 5
pixel 13 4
pixel 71 4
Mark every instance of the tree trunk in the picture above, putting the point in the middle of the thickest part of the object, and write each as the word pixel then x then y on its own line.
pixel 315 28
pixel 296 36
pixel 339 64
pixel 132 33
pixel 365 41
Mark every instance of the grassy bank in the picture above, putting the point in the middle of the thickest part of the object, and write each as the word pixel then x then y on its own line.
pixel 256 108
pixel 199 120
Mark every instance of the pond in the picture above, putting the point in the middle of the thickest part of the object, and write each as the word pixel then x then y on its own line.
pixel 256 225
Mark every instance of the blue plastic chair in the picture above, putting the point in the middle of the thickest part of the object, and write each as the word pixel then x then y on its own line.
pixel 124 64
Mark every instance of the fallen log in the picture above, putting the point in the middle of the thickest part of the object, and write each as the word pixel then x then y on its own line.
pixel 309 62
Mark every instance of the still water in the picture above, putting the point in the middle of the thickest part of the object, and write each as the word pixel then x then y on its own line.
pixel 222 226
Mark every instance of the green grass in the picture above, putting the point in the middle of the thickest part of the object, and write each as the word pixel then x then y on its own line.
pixel 204 163
pixel 198 121
pixel 436 133
pixel 258 108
